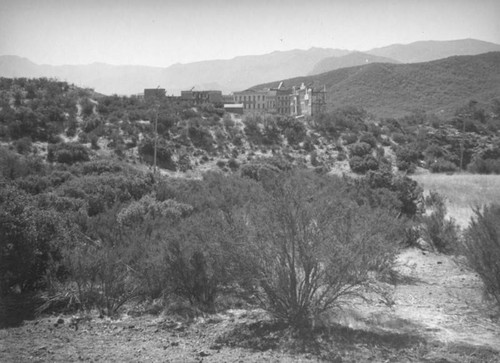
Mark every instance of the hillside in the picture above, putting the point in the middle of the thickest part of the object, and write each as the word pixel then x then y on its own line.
pixel 425 51
pixel 389 90
pixel 180 262
pixel 350 60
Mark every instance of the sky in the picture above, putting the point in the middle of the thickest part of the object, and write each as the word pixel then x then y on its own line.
pixel 161 33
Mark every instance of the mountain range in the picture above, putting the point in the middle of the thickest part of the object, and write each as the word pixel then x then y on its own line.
pixel 393 90
pixel 238 73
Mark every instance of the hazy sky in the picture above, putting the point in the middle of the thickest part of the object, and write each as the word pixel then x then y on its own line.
pixel 160 33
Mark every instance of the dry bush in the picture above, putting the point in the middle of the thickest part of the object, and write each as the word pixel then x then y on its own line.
pixel 440 231
pixel 481 246
pixel 309 247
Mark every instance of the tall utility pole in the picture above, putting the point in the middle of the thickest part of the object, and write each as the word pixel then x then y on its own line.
pixel 156 138
pixel 157 107
pixel 462 145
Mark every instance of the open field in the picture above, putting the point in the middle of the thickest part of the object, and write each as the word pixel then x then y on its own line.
pixel 462 191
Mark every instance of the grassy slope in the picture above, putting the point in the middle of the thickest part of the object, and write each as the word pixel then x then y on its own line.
pixel 463 192
pixel 391 90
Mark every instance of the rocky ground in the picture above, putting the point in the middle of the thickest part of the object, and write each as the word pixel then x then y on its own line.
pixel 433 312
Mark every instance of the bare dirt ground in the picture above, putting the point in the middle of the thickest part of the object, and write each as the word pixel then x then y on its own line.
pixel 434 313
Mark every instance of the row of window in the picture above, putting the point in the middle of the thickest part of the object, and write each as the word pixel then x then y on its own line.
pixel 250 98
pixel 253 105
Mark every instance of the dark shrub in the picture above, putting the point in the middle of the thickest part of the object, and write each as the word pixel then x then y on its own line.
pixel 361 165
pixel 221 164
pixel 164 153
pixel 294 131
pixel 29 242
pixel 201 137
pixel 233 164
pixel 87 107
pixel 349 138
pixel 484 166
pixel 442 166
pixel 399 138
pixel 368 138
pixel 407 158
pixel 360 149
pixel 67 153
pixel 23 145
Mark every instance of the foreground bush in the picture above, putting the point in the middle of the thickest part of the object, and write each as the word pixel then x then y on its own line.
pixel 29 239
pixel 481 246
pixel 309 247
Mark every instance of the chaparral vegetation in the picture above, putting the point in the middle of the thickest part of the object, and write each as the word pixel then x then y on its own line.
pixel 300 218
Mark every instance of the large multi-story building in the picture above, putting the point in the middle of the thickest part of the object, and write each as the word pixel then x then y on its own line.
pixel 295 101
pixel 253 100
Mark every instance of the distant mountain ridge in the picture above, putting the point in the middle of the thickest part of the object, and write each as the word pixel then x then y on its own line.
pixel 425 51
pixel 233 74
pixel 227 75
pixel 350 60
pixel 393 90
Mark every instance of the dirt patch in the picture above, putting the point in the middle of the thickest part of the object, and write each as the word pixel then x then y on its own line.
pixel 435 313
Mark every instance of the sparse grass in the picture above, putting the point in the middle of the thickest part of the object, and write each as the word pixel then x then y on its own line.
pixel 462 192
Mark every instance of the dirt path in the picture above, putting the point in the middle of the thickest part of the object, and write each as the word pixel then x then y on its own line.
pixel 437 298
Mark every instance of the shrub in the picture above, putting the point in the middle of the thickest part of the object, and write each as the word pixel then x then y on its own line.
pixel 349 138
pixel 233 164
pixel 341 156
pixel 199 249
pixel 440 232
pixel 362 165
pixel 100 265
pixel 442 166
pixel 67 153
pixel 481 246
pixel 221 163
pixel 484 166
pixel 314 158
pixel 407 158
pixel 91 124
pixel 399 138
pixel 201 137
pixel 23 145
pixel 382 188
pixel 360 149
pixel 368 138
pixel 87 107
pixel 294 131
pixel 163 156
pixel 253 125
pixel 309 247
pixel 29 242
